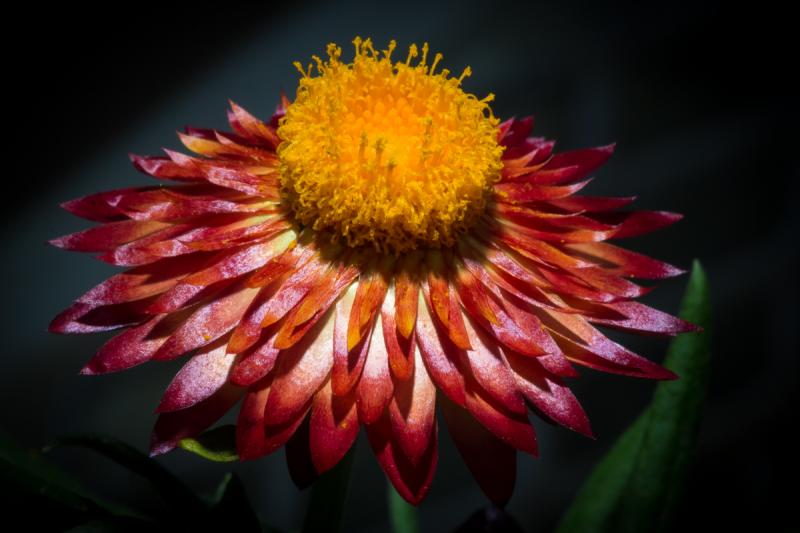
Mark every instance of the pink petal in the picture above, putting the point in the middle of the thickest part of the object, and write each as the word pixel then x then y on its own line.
pixel 301 371
pixel 375 388
pixel 203 375
pixel 438 361
pixel 412 412
pixel 207 324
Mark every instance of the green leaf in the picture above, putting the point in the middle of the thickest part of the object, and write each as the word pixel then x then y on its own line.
pixel 218 444
pixel 36 488
pixel 328 494
pixel 402 515
pixel 177 496
pixel 640 481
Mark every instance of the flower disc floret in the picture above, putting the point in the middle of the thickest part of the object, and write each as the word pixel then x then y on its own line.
pixel 387 154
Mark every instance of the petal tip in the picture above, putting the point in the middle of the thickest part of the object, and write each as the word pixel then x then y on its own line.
pixel 88 371
pixel 160 448
pixel 59 242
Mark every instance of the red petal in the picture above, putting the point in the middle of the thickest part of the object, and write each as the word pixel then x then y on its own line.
pixel 411 481
pixel 96 207
pixel 485 308
pixel 347 365
pixel 550 233
pixel 184 295
pixel 375 388
pixel 107 236
pixel 591 204
pixel 520 192
pixel 203 375
pixel 638 222
pixel 172 427
pixel 441 367
pixel 517 131
pixel 207 324
pixel 512 428
pixel 289 261
pixel 301 371
pixel 584 345
pixel 220 174
pixel 640 318
pixel 178 202
pixel 293 290
pixel 246 124
pixel 134 346
pixel 412 412
pixel 582 163
pixel 242 261
pixel 253 437
pixel 334 427
pixel 143 282
pixel 400 349
pixel 492 462
pixel 610 283
pixel 541 217
pixel 624 262
pixel 149 249
pixel 250 436
pixel 485 363
pixel 166 168
pixel 548 393
pixel 256 363
pixel 249 330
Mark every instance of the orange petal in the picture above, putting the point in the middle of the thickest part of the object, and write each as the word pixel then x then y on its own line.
pixel 400 349
pixel 405 295
pixel 347 364
pixel 370 293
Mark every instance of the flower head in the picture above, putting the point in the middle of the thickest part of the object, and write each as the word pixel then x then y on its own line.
pixel 381 246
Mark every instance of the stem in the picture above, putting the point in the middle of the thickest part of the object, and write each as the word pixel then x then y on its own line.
pixel 402 514
pixel 328 494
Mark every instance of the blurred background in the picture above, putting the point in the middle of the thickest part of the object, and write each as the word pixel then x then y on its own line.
pixel 691 93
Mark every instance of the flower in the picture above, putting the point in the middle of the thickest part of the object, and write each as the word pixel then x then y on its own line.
pixel 381 246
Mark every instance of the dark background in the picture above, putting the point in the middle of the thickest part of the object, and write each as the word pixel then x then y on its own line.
pixel 694 95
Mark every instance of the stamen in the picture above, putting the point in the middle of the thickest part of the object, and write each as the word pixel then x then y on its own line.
pixel 386 154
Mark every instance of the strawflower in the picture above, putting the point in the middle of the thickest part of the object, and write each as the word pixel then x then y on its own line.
pixel 381 246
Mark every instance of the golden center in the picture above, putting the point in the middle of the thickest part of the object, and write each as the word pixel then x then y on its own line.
pixel 387 154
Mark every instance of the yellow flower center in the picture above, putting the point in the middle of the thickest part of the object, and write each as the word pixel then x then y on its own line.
pixel 385 153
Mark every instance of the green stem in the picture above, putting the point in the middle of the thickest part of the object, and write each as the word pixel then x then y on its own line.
pixel 402 514
pixel 326 507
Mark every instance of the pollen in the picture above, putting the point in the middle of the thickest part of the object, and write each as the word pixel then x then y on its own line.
pixel 388 154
